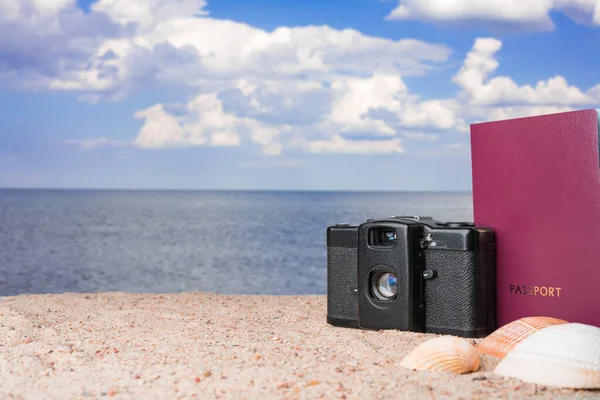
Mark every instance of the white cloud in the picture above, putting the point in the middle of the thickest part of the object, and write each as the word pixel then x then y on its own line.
pixel 146 14
pixel 264 87
pixel 42 16
pixel 161 129
pixel 382 104
pixel 529 15
pixel 337 144
pixel 44 40
pixel 582 11
pixel 473 78
pixel 515 11
pixel 203 122
pixel 356 115
pixel 240 49
pixel 594 93
pixel 308 89
pixel 482 114
pixel 121 44
pixel 359 96
pixel 486 98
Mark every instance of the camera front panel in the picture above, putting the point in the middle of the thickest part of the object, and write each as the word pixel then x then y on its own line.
pixel 390 268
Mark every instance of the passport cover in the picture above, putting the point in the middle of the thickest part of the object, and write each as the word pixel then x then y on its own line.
pixel 536 183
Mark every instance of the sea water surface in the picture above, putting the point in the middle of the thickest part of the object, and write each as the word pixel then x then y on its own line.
pixel 56 241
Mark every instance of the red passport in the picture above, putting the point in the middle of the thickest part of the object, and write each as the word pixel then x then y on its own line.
pixel 536 182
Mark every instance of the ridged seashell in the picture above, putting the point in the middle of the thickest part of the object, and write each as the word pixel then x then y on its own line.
pixel 445 353
pixel 566 356
pixel 504 339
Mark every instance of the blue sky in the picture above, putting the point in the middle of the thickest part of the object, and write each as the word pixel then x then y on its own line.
pixel 311 95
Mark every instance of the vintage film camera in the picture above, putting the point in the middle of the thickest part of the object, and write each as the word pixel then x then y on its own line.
pixel 414 274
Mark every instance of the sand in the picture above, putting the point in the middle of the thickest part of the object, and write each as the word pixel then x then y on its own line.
pixel 195 345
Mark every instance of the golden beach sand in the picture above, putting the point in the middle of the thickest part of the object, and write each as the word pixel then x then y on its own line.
pixel 205 346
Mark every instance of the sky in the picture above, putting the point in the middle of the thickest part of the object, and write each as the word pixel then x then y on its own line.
pixel 278 94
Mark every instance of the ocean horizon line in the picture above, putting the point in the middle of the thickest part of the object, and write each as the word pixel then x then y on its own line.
pixel 113 189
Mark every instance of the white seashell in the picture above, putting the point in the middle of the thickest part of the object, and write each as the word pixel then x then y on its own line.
pixel 445 353
pixel 566 355
pixel 500 342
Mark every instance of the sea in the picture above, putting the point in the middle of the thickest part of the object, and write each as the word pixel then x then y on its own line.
pixel 152 241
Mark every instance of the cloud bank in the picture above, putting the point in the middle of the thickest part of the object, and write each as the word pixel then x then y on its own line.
pixel 532 15
pixel 310 89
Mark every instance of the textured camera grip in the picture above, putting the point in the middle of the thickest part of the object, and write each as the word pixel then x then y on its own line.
pixel 457 299
pixel 342 303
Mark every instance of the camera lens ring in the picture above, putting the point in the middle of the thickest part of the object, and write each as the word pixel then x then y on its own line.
pixel 384 285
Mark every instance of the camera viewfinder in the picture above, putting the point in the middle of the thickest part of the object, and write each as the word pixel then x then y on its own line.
pixel 382 237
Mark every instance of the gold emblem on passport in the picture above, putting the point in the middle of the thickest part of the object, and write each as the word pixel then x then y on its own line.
pixel 545 291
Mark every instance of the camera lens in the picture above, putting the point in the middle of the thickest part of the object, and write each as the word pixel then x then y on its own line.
pixel 385 286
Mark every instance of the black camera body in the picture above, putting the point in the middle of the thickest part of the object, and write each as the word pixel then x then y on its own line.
pixel 414 274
